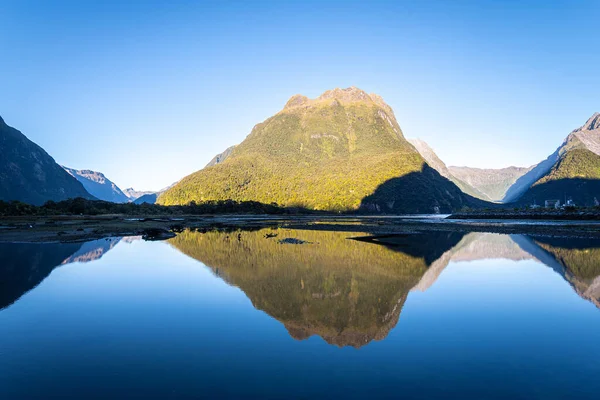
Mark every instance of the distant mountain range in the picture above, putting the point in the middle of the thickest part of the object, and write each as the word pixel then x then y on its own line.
pixel 98 185
pixel 493 183
pixel 571 172
pixel 485 184
pixel 341 151
pixel 434 162
pixel 150 197
pixel 135 194
pixel 29 174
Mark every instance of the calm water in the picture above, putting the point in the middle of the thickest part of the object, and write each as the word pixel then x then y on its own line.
pixel 244 315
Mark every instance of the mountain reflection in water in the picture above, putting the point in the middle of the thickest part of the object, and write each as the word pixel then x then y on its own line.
pixel 350 292
pixel 23 266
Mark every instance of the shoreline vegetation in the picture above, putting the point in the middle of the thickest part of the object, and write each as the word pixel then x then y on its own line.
pixel 81 206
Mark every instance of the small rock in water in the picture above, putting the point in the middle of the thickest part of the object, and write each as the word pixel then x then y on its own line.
pixel 292 241
pixel 157 234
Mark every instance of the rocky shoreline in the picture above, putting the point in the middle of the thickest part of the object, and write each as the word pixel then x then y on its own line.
pixel 84 228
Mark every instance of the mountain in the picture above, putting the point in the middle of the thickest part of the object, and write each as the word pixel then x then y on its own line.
pixel 572 171
pixel 219 158
pixel 434 161
pixel 575 176
pixel 341 151
pixel 29 174
pixel 493 183
pixel 150 197
pixel 98 185
pixel 134 194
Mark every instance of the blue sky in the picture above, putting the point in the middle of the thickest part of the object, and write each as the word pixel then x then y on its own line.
pixel 147 92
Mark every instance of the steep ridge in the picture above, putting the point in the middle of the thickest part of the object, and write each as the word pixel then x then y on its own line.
pixel 98 185
pixel 341 151
pixel 29 174
pixel 436 163
pixel 219 158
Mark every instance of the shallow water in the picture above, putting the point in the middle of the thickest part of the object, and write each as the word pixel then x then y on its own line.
pixel 249 314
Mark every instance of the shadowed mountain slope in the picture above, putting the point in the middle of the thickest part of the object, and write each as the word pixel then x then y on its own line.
pixel 29 174
pixel 149 198
pixel 575 175
pixel 436 163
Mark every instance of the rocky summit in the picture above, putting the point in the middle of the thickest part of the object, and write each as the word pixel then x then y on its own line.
pixel 342 151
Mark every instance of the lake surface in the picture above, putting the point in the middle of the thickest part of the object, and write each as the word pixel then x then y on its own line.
pixel 278 313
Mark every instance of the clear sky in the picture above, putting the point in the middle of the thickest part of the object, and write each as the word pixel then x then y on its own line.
pixel 148 92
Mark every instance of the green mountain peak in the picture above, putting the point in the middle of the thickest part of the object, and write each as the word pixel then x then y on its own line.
pixel 342 151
